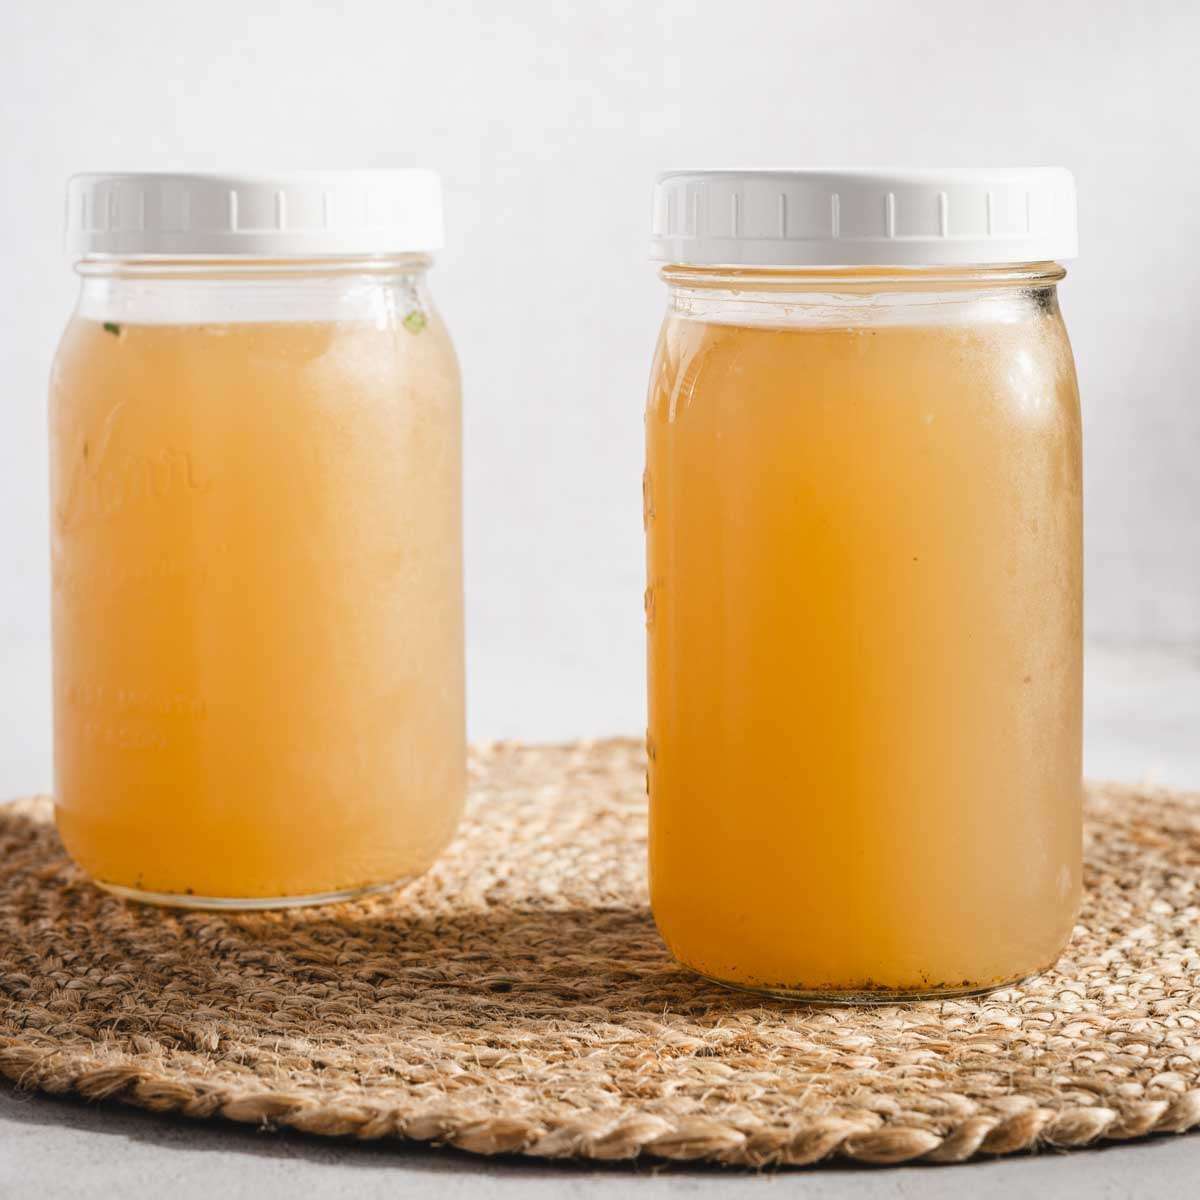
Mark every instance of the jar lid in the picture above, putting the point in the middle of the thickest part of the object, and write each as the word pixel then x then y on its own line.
pixel 299 214
pixel 864 217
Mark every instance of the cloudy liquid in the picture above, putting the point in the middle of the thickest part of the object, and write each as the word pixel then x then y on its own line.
pixel 258 680
pixel 864 606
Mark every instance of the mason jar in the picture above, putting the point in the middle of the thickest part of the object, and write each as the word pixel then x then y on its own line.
pixel 863 514
pixel 257 588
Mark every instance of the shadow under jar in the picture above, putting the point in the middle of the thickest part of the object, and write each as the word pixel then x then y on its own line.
pixel 257 590
pixel 863 515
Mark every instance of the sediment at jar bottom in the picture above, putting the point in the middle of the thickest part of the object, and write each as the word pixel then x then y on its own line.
pixel 868 992
pixel 940 980
pixel 315 855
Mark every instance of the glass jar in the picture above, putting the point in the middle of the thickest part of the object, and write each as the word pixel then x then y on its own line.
pixel 257 588
pixel 863 514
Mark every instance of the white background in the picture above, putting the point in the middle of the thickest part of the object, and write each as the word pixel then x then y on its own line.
pixel 548 122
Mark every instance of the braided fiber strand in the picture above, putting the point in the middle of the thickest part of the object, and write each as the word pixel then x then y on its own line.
pixel 517 1000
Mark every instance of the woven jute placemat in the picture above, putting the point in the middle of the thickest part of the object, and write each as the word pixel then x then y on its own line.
pixel 518 1000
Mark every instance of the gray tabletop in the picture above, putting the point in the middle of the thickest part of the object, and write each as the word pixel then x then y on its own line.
pixel 1143 723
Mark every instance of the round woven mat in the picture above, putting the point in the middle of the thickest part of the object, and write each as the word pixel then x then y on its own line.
pixel 518 1000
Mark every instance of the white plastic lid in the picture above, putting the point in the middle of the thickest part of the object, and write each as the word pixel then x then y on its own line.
pixel 301 214
pixel 867 217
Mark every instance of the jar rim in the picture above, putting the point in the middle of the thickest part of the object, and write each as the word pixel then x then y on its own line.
pixel 863 278
pixel 246 266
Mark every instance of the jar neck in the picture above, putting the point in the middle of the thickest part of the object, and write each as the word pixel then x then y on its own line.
pixel 216 290
pixel 863 295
